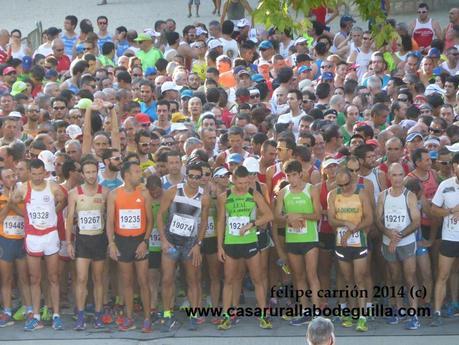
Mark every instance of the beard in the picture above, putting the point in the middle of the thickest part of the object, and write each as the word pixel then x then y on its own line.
pixel 113 167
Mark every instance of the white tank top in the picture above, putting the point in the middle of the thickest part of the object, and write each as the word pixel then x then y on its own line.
pixel 423 33
pixel 373 177
pixel 41 209
pixel 396 216
pixel 362 59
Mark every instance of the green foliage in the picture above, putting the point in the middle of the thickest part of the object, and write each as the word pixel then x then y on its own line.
pixel 294 14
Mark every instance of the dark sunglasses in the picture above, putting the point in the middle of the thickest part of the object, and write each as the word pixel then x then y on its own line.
pixel 194 177
pixel 444 162
pixel 435 130
pixel 59 108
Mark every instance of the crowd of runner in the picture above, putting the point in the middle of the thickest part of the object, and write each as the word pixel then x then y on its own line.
pixel 242 158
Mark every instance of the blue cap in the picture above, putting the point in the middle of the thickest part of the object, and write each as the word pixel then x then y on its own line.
pixel 345 19
pixel 26 63
pixel 257 78
pixel 240 70
pixel 186 93
pixel 328 76
pixel 235 158
pixel 265 45
pixel 80 48
pixel 434 53
pixel 51 73
pixel 303 69
pixel 410 137
pixel 150 71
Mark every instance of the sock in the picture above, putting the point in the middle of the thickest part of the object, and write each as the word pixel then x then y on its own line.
pixel 55 315
pixel 7 311
pixel 36 316
pixel 29 309
pixel 167 313
pixel 80 313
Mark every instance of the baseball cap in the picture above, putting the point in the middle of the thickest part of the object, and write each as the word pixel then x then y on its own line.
pixel 432 140
pixel 327 76
pixel 235 158
pixel 372 142
pixel 178 126
pixel 169 86
pixel 214 43
pixel 221 171
pixel 252 164
pixel 345 19
pixel 300 40
pixel 51 73
pixel 18 87
pixel 243 23
pixel 142 118
pixel 143 37
pixel 410 137
pixel 9 70
pixel 48 158
pixel 433 88
pixel 331 111
pixel 257 78
pixel 200 31
pixel 186 93
pixel 425 106
pixel 407 124
pixel 453 148
pixel 150 71
pixel 73 131
pixel 26 63
pixel 434 53
pixel 178 117
pixel 83 103
pixel 303 69
pixel 15 115
pixel 329 161
pixel 239 70
pixel 265 45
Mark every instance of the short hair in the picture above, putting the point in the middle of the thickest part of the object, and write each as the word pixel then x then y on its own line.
pixel 107 48
pixel 320 330
pixel 241 171
pixel 323 90
pixel 68 166
pixel 36 164
pixel 288 140
pixel 127 166
pixel 417 155
pixel 194 166
pixel 89 160
pixel 303 153
pixel 142 133
pixel 153 181
pixel 259 138
pixel 72 19
pixel 236 131
pixel 329 132
pixel 292 165
pixel 378 108
pixel 108 153
pixel 362 150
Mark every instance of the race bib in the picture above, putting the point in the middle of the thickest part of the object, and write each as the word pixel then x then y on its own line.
pixel 236 223
pixel 210 232
pixel 13 225
pixel 38 216
pixel 182 226
pixel 452 223
pixel 395 219
pixel 89 220
pixel 353 240
pixel 155 240
pixel 129 219
pixel 300 231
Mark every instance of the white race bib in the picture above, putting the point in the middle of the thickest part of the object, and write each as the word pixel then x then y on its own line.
pixel 89 220
pixel 155 240
pixel 182 226
pixel 395 219
pixel 353 240
pixel 452 223
pixel 210 232
pixel 38 216
pixel 129 219
pixel 13 225
pixel 300 231
pixel 236 223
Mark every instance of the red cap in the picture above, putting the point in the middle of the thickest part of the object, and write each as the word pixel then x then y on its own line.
pixel 8 70
pixel 142 118
pixel 372 142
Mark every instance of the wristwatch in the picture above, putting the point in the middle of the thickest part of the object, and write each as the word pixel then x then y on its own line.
pixel 199 243
pixel 145 240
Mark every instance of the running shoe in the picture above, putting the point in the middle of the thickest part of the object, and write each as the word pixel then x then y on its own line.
pixel 265 323
pixel 33 324
pixel 413 324
pixel 347 322
pixel 147 328
pixel 80 324
pixel 167 324
pixel 45 314
pixel 200 320
pixel 192 324
pixel 362 325
pixel 57 323
pixel 6 320
pixel 98 322
pixel 185 305
pixel 225 324
pixel 20 314
pixel 127 325
pixel 300 321
pixel 215 321
pixel 235 320
pixel 107 317
pixel 436 320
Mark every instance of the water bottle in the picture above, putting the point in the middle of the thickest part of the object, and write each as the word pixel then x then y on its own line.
pixel 282 264
pixel 173 253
